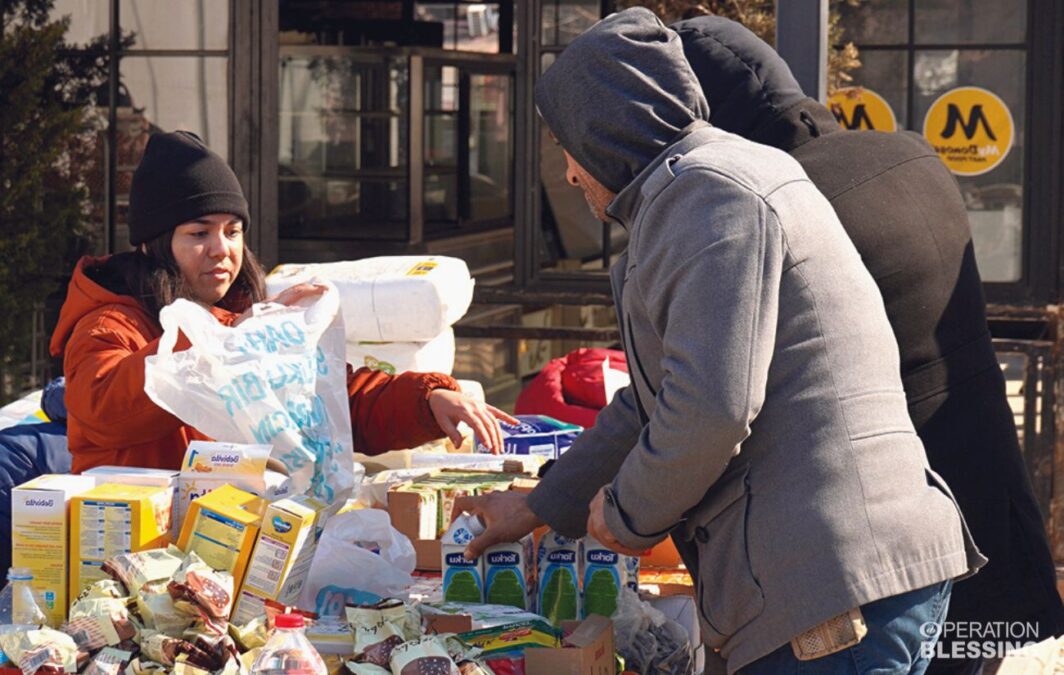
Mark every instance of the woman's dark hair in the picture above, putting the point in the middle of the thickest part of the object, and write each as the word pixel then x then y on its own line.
pixel 154 278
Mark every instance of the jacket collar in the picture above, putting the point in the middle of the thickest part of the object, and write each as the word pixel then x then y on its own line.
pixel 627 201
pixel 796 126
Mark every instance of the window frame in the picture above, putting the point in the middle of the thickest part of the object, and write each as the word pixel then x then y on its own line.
pixel 1041 263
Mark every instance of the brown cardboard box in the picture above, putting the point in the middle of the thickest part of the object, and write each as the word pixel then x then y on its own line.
pixel 586 650
pixel 407 513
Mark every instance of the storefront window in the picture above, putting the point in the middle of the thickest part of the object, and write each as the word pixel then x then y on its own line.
pixel 342 151
pixel 959 78
pixel 173 65
pixel 467 27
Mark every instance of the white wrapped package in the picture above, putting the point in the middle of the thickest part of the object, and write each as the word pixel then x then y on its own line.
pixel 435 356
pixel 391 298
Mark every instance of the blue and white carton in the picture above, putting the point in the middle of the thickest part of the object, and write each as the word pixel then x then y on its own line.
pixel 558 566
pixel 509 574
pixel 463 580
pixel 604 574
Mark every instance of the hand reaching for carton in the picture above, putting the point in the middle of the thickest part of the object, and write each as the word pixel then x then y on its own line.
pixel 505 515
pixel 451 407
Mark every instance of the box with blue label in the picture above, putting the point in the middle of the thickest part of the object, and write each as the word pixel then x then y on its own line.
pixel 536 435
pixel 509 574
pixel 605 573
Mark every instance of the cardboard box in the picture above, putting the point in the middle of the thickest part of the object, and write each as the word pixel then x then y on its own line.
pixel 131 475
pixel 221 528
pixel 40 536
pixel 282 555
pixel 587 649
pixel 111 519
pixel 510 574
pixel 209 465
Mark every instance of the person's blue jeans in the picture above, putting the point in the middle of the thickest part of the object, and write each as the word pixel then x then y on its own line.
pixel 898 627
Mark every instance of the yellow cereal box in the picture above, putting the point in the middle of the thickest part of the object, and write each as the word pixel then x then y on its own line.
pixel 40 536
pixel 221 527
pixel 282 556
pixel 111 519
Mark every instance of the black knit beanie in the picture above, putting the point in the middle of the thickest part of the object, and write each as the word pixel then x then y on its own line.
pixel 178 180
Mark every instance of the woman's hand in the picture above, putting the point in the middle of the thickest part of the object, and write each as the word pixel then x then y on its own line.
pixel 289 296
pixel 451 407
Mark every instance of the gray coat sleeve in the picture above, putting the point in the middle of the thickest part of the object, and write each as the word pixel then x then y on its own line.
pixel 562 497
pixel 710 263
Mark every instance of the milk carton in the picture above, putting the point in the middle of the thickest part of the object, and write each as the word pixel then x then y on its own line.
pixel 558 563
pixel 604 574
pixel 40 536
pixel 131 475
pixel 282 555
pixel 463 580
pixel 631 568
pixel 509 574
pixel 111 519
pixel 209 465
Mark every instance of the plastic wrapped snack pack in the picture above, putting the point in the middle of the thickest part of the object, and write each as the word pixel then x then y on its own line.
pixel 278 378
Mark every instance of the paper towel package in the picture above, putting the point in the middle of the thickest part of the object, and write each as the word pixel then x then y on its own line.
pixel 390 298
pixel 434 356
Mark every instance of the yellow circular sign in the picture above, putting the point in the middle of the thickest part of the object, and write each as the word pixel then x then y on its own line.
pixel 861 109
pixel 971 129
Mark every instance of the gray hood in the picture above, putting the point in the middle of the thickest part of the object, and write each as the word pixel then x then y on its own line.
pixel 619 95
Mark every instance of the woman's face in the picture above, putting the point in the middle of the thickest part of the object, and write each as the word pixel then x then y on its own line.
pixel 209 252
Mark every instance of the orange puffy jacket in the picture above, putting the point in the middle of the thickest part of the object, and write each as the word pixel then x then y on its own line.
pixel 104 338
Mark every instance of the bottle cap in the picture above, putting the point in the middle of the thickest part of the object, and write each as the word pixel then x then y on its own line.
pixel 288 621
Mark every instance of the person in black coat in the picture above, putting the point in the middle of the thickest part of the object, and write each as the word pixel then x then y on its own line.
pixel 904 212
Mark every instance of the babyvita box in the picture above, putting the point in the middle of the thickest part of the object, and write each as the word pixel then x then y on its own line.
pixel 282 555
pixel 221 527
pixel 463 580
pixel 131 475
pixel 209 465
pixel 40 536
pixel 509 573
pixel 111 519
pixel 558 595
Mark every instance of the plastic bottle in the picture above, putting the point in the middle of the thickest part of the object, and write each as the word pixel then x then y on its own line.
pixel 18 603
pixel 288 652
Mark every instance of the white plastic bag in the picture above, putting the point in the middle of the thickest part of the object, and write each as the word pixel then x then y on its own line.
pixel 278 378
pixel 360 559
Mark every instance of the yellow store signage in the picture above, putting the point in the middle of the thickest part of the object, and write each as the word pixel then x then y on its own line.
pixel 861 109
pixel 971 129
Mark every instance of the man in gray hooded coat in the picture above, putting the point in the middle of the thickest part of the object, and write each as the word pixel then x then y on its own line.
pixel 773 439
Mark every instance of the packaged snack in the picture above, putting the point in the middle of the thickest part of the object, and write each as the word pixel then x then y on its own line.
pixel 40 650
pixel 425 656
pixel 92 607
pixel 93 632
pixel 405 618
pixel 380 628
pixel 251 635
pixel 106 588
pixel 197 585
pixel 509 573
pixel 330 636
pixel 559 578
pixel 143 666
pixel 536 435
pixel 463 580
pixel 480 616
pixel 136 569
pixel 605 574
pixel 355 668
pixel 374 644
pixel 110 661
pixel 157 609
pixel 110 520
pixel 512 638
pixel 40 537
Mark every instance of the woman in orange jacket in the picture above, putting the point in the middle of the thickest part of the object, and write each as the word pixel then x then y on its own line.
pixel 187 219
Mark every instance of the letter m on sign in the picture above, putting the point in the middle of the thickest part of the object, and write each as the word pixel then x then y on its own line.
pixel 860 117
pixel 954 118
